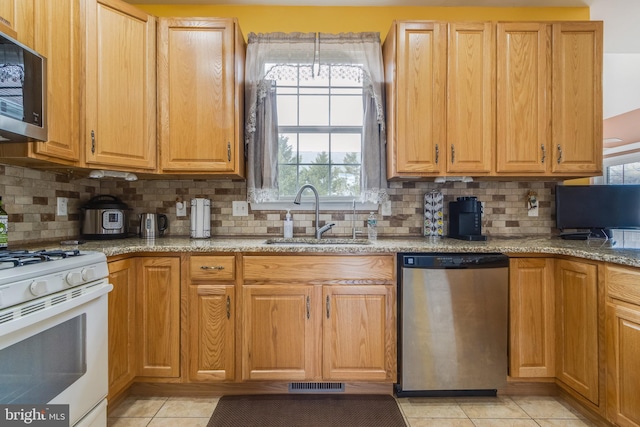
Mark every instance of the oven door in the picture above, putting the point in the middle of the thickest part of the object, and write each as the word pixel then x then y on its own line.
pixel 58 354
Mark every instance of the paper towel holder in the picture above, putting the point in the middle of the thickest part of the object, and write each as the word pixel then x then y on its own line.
pixel 200 218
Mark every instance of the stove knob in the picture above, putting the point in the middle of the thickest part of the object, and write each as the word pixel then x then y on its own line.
pixel 88 274
pixel 74 278
pixel 38 287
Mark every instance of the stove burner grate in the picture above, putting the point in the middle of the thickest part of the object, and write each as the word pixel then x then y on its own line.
pixel 16 258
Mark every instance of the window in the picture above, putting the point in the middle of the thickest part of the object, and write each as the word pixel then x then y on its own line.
pixel 319 130
pixel 627 173
pixel 314 115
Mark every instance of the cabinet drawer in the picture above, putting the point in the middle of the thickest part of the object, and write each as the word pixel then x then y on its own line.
pixel 212 267
pixel 623 283
pixel 343 268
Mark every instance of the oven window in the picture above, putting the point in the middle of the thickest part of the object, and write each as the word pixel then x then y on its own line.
pixel 41 367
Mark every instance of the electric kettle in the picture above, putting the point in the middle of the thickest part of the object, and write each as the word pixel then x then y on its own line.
pixel 153 224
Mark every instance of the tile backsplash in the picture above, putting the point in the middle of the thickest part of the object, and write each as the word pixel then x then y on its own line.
pixel 30 196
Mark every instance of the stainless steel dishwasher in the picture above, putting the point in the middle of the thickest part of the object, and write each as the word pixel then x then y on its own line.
pixel 453 324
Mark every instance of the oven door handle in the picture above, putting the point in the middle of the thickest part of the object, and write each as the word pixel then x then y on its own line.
pixel 93 292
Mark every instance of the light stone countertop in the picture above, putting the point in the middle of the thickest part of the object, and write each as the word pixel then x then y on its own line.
pixel 591 249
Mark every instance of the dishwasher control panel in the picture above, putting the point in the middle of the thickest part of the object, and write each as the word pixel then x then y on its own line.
pixel 490 260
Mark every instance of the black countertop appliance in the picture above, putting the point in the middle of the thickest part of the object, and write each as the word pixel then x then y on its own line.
pixel 465 219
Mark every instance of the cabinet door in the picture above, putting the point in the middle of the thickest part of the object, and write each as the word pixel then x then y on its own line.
pixel 359 338
pixel 122 326
pixel 120 95
pixel 577 327
pixel 16 20
pixel 211 333
pixel 523 104
pixel 199 88
pixel 415 61
pixel 532 318
pixel 470 93
pixel 57 37
pixel 623 364
pixel 577 98
pixel 158 324
pixel 281 332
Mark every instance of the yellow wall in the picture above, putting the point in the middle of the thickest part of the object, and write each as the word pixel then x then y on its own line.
pixel 343 19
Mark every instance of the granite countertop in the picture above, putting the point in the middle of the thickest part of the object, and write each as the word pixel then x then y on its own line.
pixel 597 250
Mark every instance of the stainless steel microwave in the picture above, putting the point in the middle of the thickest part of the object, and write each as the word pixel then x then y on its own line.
pixel 23 92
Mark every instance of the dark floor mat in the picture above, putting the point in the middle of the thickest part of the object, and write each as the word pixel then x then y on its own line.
pixel 298 410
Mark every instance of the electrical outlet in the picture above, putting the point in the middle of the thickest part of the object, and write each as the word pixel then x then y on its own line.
pixel 240 208
pixel 62 203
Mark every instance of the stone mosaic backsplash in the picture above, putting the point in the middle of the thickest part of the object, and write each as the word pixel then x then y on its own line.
pixel 30 199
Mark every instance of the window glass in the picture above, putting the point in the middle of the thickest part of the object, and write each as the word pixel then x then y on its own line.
pixel 628 173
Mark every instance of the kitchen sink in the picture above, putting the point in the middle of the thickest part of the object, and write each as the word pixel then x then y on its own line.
pixel 303 241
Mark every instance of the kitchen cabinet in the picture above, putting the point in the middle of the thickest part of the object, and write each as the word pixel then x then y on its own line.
pixel 16 20
pixel 523 137
pixel 57 37
pixel 577 360
pixel 319 318
pixel 158 316
pixel 577 98
pixel 415 61
pixel 211 317
pixel 491 85
pixel 439 84
pixel 532 318
pixel 122 326
pixel 623 345
pixel 200 91
pixel 120 87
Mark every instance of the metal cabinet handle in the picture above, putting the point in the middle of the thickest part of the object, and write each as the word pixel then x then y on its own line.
pixel 544 153
pixel 328 306
pixel 228 307
pixel 437 153
pixel 93 142
pixel 308 307
pixel 453 154
pixel 212 267
pixel 229 151
pixel 559 153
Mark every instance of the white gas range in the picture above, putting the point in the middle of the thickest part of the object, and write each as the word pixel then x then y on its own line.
pixel 53 332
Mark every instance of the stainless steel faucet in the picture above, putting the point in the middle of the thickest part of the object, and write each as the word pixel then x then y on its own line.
pixel 319 230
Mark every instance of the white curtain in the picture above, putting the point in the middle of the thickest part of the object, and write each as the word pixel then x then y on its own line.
pixel 360 55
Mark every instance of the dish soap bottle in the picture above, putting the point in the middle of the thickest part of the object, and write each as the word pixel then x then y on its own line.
pixel 4 227
pixel 288 226
pixel 372 226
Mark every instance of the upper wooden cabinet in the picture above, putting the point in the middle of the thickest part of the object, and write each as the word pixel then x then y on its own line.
pixel 56 35
pixel 120 87
pixel 470 94
pixel 415 60
pixel 523 103
pixel 16 20
pixel 521 99
pixel 200 90
pixel 577 98
pixel 439 84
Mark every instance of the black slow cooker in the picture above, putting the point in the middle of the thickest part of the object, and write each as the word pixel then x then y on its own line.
pixel 104 217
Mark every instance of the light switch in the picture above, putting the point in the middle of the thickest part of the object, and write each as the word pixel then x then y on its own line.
pixel 62 203
pixel 240 208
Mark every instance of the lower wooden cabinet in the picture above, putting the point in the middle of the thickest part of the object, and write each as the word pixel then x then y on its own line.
pixel 158 316
pixel 623 345
pixel 310 318
pixel 577 327
pixel 532 318
pixel 122 309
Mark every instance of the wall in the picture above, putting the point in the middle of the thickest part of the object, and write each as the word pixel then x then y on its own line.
pixel 30 199
pixel 344 19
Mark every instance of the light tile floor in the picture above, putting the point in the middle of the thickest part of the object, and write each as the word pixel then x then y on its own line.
pixel 514 411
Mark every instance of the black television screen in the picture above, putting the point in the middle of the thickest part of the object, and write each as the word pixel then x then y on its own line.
pixel 598 207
